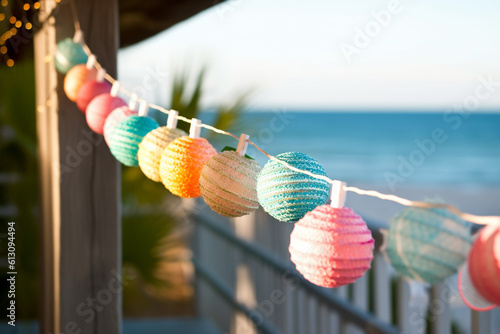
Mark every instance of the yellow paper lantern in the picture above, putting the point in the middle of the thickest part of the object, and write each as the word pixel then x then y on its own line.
pixel 153 145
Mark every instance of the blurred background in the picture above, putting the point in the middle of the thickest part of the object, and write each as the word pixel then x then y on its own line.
pixel 402 97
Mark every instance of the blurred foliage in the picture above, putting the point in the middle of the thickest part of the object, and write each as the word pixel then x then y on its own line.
pixel 18 171
pixel 188 103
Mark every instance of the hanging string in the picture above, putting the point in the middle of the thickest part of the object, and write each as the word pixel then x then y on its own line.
pixel 482 220
pixel 74 13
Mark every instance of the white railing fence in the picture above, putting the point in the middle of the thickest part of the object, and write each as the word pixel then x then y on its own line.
pixel 246 283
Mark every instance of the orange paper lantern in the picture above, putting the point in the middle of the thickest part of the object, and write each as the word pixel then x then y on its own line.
pixel 76 78
pixel 181 164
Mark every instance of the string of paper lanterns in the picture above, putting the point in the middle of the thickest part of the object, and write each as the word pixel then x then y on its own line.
pixel 330 244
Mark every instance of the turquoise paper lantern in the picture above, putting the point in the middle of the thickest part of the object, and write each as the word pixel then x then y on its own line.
pixel 288 195
pixel 68 55
pixel 125 138
pixel 428 245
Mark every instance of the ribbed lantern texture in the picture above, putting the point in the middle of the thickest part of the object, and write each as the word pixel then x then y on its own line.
pixel 68 55
pixel 228 184
pixel 288 195
pixel 484 264
pixel 428 245
pixel 76 78
pixel 151 149
pixel 89 91
pixel 181 165
pixel 125 138
pixel 99 109
pixel 115 117
pixel 331 247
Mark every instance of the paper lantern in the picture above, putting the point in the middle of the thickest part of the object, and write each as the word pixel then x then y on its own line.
pixel 115 117
pixel 89 91
pixel 99 109
pixel 124 140
pixel 479 280
pixel 228 183
pixel 288 195
pixel 69 53
pixel 182 161
pixel 428 245
pixel 76 78
pixel 331 246
pixel 153 145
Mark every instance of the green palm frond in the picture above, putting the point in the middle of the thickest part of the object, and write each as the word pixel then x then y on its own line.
pixel 188 106
pixel 227 117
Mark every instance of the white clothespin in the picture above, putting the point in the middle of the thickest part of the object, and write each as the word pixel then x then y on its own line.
pixel 338 194
pixel 101 73
pixel 78 37
pixel 242 144
pixel 90 62
pixel 194 130
pixel 172 119
pixel 115 88
pixel 143 108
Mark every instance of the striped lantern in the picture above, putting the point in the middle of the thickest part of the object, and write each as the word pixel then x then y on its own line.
pixel 288 195
pixel 99 109
pixel 182 161
pixel 228 184
pixel 151 149
pixel 331 247
pixel 76 78
pixel 428 245
pixel 124 140
pixel 69 54
pixel 115 117
pixel 479 280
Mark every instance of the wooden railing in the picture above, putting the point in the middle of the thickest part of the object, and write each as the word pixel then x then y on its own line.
pixel 246 283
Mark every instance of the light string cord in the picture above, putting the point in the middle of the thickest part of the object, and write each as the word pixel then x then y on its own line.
pixel 481 220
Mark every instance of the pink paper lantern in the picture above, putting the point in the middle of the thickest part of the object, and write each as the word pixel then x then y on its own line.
pixel 99 108
pixel 76 78
pixel 89 91
pixel 331 246
pixel 115 117
pixel 482 271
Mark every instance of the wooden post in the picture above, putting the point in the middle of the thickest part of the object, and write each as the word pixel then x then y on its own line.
pixel 80 184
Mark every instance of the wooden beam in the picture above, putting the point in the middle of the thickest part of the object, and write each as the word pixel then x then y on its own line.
pixel 143 19
pixel 80 185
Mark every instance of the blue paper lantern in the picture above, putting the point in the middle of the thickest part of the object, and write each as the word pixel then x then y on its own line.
pixel 428 245
pixel 69 54
pixel 288 195
pixel 125 138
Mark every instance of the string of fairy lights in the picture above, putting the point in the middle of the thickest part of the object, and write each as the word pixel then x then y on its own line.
pixel 330 244
pixel 15 24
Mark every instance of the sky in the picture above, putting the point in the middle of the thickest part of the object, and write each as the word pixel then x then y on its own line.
pixel 329 54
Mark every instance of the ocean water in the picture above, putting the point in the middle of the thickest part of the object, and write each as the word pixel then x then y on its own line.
pixel 379 148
